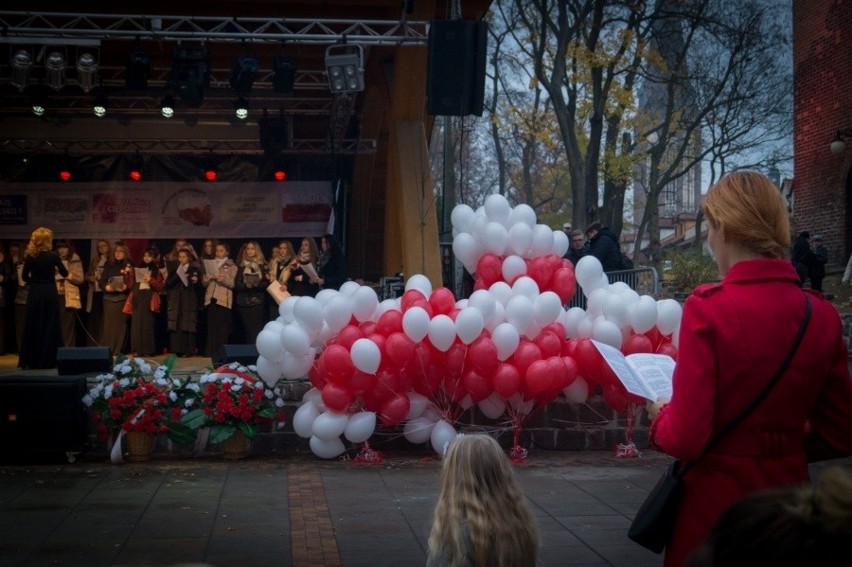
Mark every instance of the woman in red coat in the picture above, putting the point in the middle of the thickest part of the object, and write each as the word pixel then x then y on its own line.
pixel 733 338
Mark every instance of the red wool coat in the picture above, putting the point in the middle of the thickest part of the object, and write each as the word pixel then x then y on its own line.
pixel 733 338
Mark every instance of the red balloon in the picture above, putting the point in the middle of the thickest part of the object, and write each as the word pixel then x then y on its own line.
pixel 428 381
pixel 408 299
pixel 361 382
pixel 478 284
pixel 655 337
pixel 616 397
pixel 556 328
pixel 526 353
pixel 394 409
pixel 571 370
pixel 569 348
pixel 338 363
pixel 482 356
pixel 558 373
pixel 454 387
pixel 506 380
pixel 454 360
pixel 477 385
pixel 423 356
pixel 566 263
pixel 668 349
pixel 553 262
pixel 549 343
pixel 563 284
pixel 367 328
pixel 375 397
pixel 489 268
pixel 588 359
pixel 442 301
pixel 537 269
pixel 348 335
pixel 453 314
pixel 380 342
pixel 317 374
pixel 336 397
pixel 400 350
pixel 538 378
pixel 387 380
pixel 424 305
pixel 389 322
pixel 637 343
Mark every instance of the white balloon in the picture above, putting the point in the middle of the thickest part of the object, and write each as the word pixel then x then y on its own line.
pixel 360 427
pixel 526 286
pixel 577 392
pixel 519 405
pixel 513 267
pixel 676 337
pixel 469 323
pixel 324 335
pixel 588 272
pixel 364 303
pixel 595 301
pixel 274 326
pixel 465 248
pixel 366 356
pixel 417 405
pixel 308 313
pixel 542 241
pixel 303 419
pixel 269 370
pixel 462 217
pixel 329 425
pixel 497 318
pixel 442 332
pixel 327 449
pixel 520 313
pixel 315 397
pixel 497 208
pixel 520 238
pixel 618 287
pixel 337 312
pixel 286 307
pixel 348 289
pixel 431 413
pixel 415 323
pixel 387 305
pixel 629 296
pixel 418 430
pixel 547 308
pixel 325 295
pixel 501 292
pixel 295 340
pixel 442 434
pixel 506 339
pixel 496 238
pixel 421 283
pixel 466 402
pixel 615 310
pixel 268 344
pixel 293 366
pixel 669 313
pixel 585 327
pixel 607 332
pixel 643 314
pixel 478 230
pixel 483 301
pixel 571 320
pixel 493 406
pixel 462 303
pixel 522 213
pixel 561 243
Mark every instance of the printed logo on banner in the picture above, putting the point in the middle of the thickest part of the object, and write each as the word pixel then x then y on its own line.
pixel 111 208
pixel 13 209
pixel 250 207
pixel 52 209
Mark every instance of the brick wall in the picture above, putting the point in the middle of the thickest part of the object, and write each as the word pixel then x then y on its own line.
pixel 822 59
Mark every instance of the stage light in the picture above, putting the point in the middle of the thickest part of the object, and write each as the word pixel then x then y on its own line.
pixel 137 70
pixel 191 74
pixel 210 174
pixel 65 175
pixel 99 105
pixel 21 63
pixel 55 66
pixel 284 74
pixel 136 164
pixel 39 101
pixel 87 69
pixel 280 175
pixel 167 106
pixel 245 71
pixel 241 108
pixel 345 68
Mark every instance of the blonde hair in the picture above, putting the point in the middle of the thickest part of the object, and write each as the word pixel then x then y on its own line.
pixel 313 252
pixel 752 212
pixel 291 253
pixel 258 253
pixel 479 492
pixel 41 240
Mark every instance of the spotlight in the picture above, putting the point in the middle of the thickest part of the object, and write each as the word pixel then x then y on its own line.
pixel 137 71
pixel 279 175
pixel 65 174
pixel 55 66
pixel 245 71
pixel 241 108
pixel 284 74
pixel 21 63
pixel 99 105
pixel 136 164
pixel 210 174
pixel 191 74
pixel 39 101
pixel 167 106
pixel 345 68
pixel 87 69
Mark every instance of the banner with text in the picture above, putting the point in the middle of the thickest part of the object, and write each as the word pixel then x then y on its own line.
pixel 167 210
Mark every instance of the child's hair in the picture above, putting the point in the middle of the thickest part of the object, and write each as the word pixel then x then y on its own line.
pixel 480 499
pixel 794 525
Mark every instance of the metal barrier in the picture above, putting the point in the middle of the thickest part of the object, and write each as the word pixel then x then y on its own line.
pixel 644 281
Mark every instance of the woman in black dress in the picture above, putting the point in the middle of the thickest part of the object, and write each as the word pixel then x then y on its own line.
pixel 182 286
pixel 332 264
pixel 41 335
pixel 250 292
pixel 116 281
pixel 144 304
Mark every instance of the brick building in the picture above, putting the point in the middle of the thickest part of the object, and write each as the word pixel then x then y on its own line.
pixel 822 59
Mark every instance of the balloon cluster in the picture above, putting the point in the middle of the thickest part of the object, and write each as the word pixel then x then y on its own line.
pixel 424 358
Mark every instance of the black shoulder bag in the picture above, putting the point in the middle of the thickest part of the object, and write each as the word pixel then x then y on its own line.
pixel 654 522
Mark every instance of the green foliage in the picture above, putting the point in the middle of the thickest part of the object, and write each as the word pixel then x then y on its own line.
pixel 689 268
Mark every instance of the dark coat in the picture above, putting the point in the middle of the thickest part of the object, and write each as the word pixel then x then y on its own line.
pixel 802 257
pixel 575 255
pixel 818 262
pixel 332 270
pixel 604 246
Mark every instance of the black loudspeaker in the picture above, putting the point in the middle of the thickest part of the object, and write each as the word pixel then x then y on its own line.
pixel 456 73
pixel 42 417
pixel 243 354
pixel 83 360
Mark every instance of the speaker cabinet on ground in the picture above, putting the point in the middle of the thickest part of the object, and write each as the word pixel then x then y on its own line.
pixel 83 360
pixel 42 417
pixel 243 354
pixel 456 73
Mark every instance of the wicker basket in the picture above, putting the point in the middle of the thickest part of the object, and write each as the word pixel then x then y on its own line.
pixel 139 445
pixel 236 446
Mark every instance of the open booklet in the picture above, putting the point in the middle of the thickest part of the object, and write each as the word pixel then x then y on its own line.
pixel 646 375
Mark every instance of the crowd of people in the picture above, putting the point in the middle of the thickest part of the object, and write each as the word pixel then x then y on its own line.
pixel 180 302
pixel 598 241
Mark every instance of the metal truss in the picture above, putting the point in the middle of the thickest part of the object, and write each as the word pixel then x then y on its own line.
pixel 21 27
pixel 188 146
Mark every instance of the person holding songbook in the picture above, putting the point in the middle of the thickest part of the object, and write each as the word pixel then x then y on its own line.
pixel 182 284
pixel 250 291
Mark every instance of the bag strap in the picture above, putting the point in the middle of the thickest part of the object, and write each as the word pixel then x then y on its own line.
pixel 762 396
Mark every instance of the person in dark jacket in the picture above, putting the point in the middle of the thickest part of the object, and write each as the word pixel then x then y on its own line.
pixel 603 245
pixel 578 248
pixel 802 256
pixel 250 292
pixel 816 271
pixel 331 266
